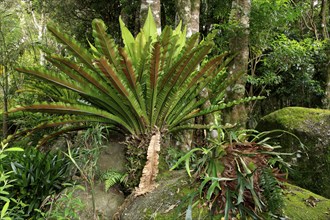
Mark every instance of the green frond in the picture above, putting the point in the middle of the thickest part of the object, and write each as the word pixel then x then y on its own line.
pixel 85 74
pixel 173 91
pixel 149 28
pixel 104 43
pixel 128 69
pixel 58 79
pixel 208 69
pixel 77 109
pixel 109 101
pixel 58 122
pixel 128 38
pixel 180 61
pixel 142 49
pixel 110 178
pixel 154 72
pixel 112 76
pixel 58 62
pixel 215 108
pixel 76 48
pixel 56 134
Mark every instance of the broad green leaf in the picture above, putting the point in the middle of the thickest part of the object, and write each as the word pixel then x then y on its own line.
pixel 4 210
pixel 14 149
pixel 128 38
pixel 185 158
pixel 4 199
pixel 149 28
pixel 212 188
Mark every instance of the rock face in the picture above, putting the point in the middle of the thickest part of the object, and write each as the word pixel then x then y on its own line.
pixel 106 203
pixel 112 157
pixel 312 127
pixel 169 200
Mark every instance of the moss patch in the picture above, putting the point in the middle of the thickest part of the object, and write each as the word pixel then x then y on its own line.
pixel 301 204
pixel 311 167
pixel 293 118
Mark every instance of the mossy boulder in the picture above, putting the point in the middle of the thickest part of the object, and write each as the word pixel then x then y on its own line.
pixel 311 166
pixel 171 198
pixel 301 204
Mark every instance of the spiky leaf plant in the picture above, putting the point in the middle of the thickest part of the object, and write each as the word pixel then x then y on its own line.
pixel 239 175
pixel 152 83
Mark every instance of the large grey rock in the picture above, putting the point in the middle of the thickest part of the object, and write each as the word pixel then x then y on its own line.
pixel 312 127
pixel 106 203
pixel 168 201
pixel 112 157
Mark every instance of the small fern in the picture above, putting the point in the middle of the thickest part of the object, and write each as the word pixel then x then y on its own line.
pixel 112 177
pixel 272 192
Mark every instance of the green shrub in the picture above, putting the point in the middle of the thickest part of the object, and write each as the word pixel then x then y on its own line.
pixel 37 175
pixel 5 184
pixel 239 175
pixel 66 206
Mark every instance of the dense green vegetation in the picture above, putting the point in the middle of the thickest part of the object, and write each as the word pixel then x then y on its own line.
pixel 190 76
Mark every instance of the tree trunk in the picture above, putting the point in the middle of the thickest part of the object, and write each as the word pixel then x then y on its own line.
pixel 189 12
pixel 324 13
pixel 325 10
pixel 5 104
pixel 41 27
pixel 240 14
pixel 327 89
pixel 184 12
pixel 195 14
pixel 155 8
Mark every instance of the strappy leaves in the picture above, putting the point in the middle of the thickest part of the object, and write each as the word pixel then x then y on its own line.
pixel 153 81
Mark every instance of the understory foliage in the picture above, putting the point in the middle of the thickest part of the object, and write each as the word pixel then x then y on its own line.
pixel 240 175
pixel 35 176
pixel 6 183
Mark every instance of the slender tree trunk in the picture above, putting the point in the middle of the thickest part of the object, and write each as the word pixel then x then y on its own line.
pixel 189 13
pixel 195 14
pixel 325 11
pixel 240 14
pixel 184 12
pixel 40 25
pixel 326 99
pixel 5 104
pixel 324 14
pixel 155 8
